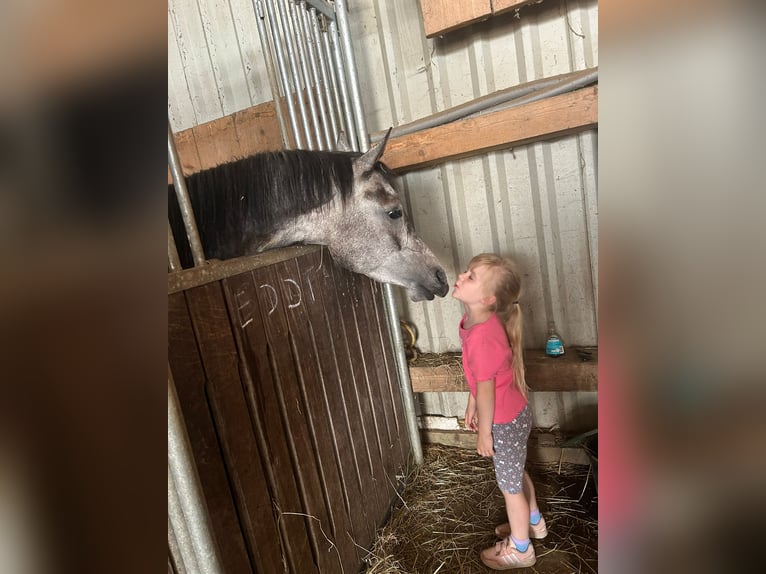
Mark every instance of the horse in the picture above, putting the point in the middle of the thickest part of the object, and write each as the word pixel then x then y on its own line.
pixel 344 200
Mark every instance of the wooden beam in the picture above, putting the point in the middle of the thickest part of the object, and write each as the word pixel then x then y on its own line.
pixel 237 135
pixel 536 452
pixel 566 373
pixel 442 16
pixel 544 119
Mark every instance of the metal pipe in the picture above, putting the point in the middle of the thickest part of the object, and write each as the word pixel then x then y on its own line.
pixel 174 263
pixel 323 7
pixel 515 96
pixel 308 18
pixel 300 41
pixel 341 14
pixel 179 567
pixel 184 203
pixel 344 97
pixel 276 93
pixel 275 36
pixel 185 491
pixel 392 312
pixel 288 35
pixel 327 87
pixel 326 49
pixel 180 543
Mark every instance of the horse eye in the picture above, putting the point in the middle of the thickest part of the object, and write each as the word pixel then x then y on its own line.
pixel 395 213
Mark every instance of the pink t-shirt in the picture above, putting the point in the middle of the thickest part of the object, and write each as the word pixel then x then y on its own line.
pixel 487 356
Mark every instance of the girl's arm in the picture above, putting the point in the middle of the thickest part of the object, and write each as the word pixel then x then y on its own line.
pixel 485 407
pixel 471 420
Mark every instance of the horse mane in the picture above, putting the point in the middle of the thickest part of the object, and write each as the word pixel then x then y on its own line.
pixel 243 202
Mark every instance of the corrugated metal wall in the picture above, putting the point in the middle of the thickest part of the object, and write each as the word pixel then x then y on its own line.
pixel 537 202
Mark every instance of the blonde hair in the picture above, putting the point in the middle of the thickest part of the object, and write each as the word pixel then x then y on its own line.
pixel 505 285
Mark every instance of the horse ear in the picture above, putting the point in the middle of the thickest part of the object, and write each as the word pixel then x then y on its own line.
pixel 373 155
pixel 342 143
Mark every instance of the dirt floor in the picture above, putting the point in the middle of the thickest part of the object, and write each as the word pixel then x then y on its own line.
pixel 451 504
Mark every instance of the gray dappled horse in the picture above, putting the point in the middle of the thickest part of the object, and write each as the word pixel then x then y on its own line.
pixel 344 200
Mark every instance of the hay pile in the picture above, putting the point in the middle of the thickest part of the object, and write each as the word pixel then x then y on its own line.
pixel 450 506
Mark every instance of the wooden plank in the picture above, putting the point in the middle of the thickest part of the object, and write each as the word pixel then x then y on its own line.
pixel 536 452
pixel 543 373
pixel 237 135
pixel 248 305
pixel 320 306
pixel 258 129
pixel 442 16
pixel 545 119
pixel 347 372
pixel 378 497
pixel 502 6
pixel 224 390
pixel 390 384
pixel 289 417
pixel 189 377
pixel 217 142
pixel 308 347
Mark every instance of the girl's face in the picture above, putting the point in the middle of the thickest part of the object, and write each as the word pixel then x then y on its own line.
pixel 474 286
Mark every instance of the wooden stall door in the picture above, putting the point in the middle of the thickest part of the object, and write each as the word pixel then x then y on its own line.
pixel 302 431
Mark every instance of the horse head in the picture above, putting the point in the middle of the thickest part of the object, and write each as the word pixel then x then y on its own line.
pixel 372 235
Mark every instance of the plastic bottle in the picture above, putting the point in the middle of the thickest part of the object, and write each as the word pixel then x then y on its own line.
pixel 553 346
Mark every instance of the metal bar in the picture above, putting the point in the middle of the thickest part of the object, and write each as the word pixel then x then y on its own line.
pixel 275 36
pixel 327 87
pixel 287 27
pixel 338 107
pixel 300 40
pixel 174 549
pixel 344 96
pixel 323 7
pixel 341 13
pixel 174 263
pixel 185 491
pixel 313 59
pixel 392 312
pixel 276 93
pixel 179 183
pixel 180 542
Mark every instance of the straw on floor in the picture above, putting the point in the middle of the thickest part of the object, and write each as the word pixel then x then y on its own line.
pixel 450 506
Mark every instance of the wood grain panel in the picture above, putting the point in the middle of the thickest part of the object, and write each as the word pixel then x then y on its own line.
pixel 544 119
pixel 225 393
pixel 189 377
pixel 441 16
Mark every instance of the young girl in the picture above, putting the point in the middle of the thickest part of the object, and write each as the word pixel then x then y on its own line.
pixel 490 334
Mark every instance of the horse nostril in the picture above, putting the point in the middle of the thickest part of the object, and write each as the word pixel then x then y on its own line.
pixel 441 278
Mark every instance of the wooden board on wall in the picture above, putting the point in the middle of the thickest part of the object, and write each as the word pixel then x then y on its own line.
pixel 240 134
pixel 442 16
pixel 548 118
pixel 543 373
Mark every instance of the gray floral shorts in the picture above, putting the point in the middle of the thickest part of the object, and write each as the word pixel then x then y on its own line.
pixel 510 442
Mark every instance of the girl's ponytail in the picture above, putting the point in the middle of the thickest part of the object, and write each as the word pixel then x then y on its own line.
pixel 513 328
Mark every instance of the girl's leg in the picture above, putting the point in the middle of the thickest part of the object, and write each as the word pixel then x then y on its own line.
pixel 529 491
pixel 517 507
